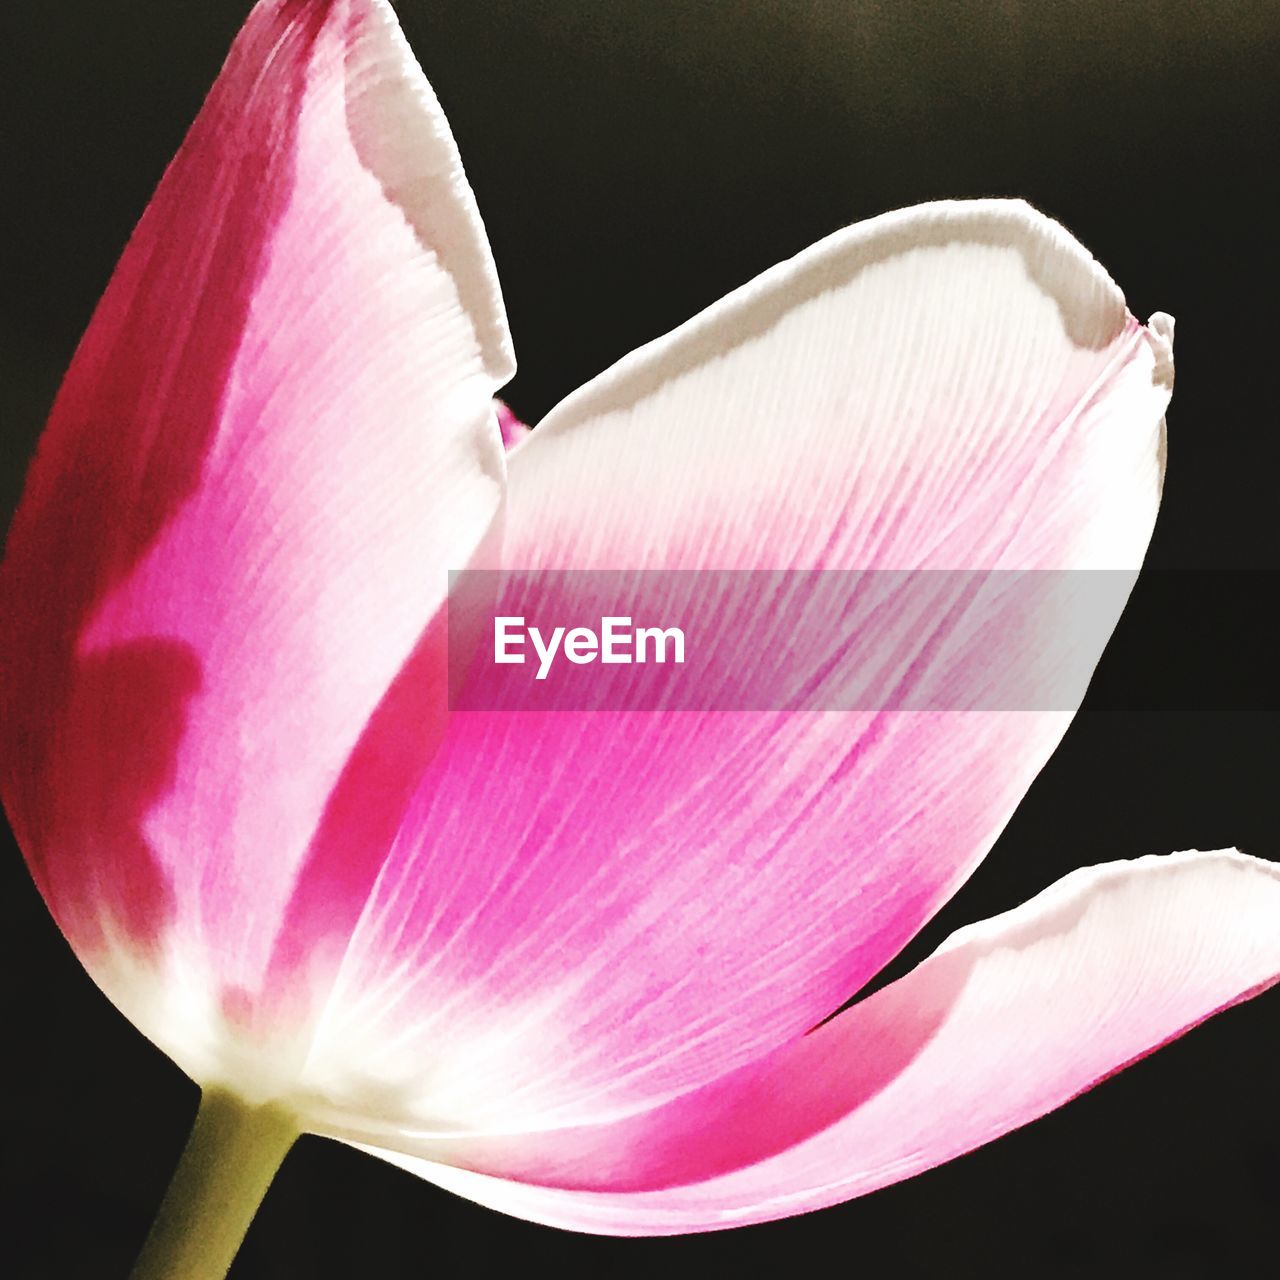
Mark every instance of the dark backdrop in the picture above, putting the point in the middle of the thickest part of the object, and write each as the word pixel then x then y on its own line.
pixel 633 161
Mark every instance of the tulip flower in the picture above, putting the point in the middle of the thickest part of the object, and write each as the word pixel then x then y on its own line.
pixel 568 964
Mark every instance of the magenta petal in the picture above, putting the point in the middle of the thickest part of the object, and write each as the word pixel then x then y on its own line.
pixel 275 439
pixel 1006 1021
pixel 586 913
pixel 513 430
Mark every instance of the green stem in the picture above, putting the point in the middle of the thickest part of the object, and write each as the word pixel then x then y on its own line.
pixel 229 1161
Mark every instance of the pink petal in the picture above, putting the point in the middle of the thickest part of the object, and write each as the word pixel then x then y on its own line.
pixel 275 439
pixel 513 430
pixel 587 913
pixel 1006 1021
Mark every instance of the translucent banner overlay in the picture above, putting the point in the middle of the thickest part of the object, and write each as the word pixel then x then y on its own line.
pixel 845 640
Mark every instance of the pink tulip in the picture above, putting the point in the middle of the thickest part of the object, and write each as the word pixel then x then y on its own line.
pixel 563 963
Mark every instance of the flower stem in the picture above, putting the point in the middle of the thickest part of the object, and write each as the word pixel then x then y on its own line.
pixel 229 1161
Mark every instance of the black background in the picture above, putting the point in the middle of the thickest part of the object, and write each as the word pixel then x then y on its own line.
pixel 633 161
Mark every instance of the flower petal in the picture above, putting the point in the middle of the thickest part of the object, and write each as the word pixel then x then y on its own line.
pixel 275 439
pixel 513 430
pixel 621 907
pixel 1006 1021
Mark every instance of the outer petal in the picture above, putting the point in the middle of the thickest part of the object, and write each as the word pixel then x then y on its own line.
pixel 275 439
pixel 1006 1021
pixel 621 907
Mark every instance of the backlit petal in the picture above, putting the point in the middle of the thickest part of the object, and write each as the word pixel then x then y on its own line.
pixel 585 913
pixel 1006 1021
pixel 275 439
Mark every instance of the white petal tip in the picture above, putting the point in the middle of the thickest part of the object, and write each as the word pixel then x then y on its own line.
pixel 1160 333
pixel 402 135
